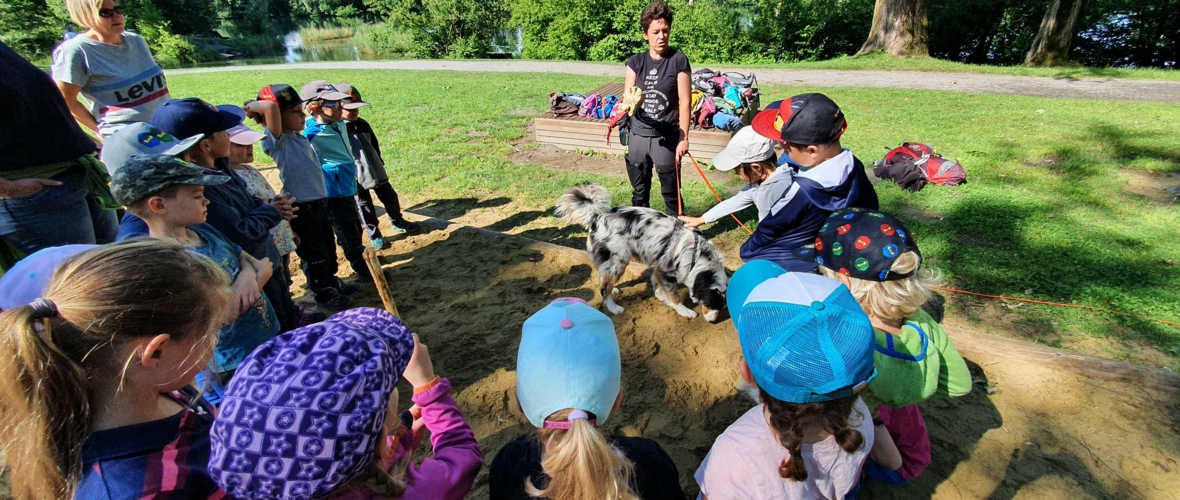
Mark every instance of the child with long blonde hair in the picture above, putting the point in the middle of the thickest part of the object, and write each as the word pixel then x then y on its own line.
pixel 94 386
pixel 568 384
pixel 876 256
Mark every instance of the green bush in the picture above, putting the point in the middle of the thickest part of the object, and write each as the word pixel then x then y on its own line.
pixel 449 28
pixel 383 39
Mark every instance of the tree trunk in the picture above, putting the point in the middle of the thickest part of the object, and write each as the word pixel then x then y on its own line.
pixel 899 27
pixel 1054 40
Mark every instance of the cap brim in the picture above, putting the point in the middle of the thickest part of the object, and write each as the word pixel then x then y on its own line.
pixel 213 179
pixel 247 137
pixel 229 118
pixel 331 96
pixel 184 144
pixel 763 123
pixel 746 279
pixel 355 104
pixel 726 160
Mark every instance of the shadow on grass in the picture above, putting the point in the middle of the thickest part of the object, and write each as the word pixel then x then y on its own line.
pixel 455 207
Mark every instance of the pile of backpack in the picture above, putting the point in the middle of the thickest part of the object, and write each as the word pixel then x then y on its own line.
pixel 589 106
pixel 913 164
pixel 721 100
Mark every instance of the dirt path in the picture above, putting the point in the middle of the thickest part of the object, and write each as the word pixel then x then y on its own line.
pixel 1101 89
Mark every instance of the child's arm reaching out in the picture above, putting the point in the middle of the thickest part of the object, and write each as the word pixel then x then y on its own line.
pixel 457 458
pixel 734 204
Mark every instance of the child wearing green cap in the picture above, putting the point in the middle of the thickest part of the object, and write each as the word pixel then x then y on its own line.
pixel 567 398
pixel 876 256
pixel 168 194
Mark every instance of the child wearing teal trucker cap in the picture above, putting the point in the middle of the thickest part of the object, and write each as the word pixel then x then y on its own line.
pixel 808 347
pixel 568 384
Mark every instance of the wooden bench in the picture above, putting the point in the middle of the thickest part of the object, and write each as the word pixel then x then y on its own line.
pixel 574 132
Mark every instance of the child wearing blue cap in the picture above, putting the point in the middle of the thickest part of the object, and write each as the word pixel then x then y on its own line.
pixel 876 256
pixel 808 347
pixel 568 383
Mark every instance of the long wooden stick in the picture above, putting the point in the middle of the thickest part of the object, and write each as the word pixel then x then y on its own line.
pixel 380 282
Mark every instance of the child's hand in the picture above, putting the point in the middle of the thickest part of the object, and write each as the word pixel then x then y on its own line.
pixel 420 370
pixel 264 270
pixel 691 221
pixel 284 205
pixel 246 294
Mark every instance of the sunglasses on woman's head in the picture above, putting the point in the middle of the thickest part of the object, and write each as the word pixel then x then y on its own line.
pixel 109 13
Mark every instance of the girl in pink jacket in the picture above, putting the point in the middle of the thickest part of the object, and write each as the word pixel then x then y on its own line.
pixel 313 414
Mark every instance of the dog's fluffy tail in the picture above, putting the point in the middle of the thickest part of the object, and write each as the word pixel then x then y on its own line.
pixel 583 203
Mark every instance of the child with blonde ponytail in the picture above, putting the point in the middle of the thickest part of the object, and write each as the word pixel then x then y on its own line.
pixel 94 384
pixel 568 383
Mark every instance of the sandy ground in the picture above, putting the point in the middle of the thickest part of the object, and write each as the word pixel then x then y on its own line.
pixel 1088 88
pixel 1025 431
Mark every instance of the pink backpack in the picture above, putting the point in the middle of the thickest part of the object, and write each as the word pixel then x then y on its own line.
pixel 589 104
pixel 705 115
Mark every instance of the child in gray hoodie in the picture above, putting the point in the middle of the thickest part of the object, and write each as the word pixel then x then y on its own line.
pixel 752 158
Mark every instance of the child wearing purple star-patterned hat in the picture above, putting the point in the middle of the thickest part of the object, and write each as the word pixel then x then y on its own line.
pixel 313 414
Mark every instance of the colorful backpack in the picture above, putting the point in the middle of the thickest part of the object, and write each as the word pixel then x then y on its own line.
pixel 935 168
pixel 588 105
pixel 606 107
pixel 705 115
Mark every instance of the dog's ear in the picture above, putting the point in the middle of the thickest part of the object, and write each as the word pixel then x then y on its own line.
pixel 705 290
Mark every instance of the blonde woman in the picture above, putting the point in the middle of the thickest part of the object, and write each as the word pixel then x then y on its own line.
pixel 112 68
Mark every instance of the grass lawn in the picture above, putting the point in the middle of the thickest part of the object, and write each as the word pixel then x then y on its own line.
pixel 1044 214
pixel 883 62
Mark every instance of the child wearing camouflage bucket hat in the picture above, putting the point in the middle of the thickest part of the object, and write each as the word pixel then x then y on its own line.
pixel 312 414
pixel 876 256
pixel 807 346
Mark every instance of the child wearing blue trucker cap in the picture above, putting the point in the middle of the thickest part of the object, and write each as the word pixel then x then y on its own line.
pixel 568 383
pixel 877 257
pixel 809 348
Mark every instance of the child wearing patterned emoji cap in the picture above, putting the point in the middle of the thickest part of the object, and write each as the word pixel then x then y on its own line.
pixel 875 255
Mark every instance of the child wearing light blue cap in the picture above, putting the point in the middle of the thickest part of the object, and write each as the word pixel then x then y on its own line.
pixel 568 384
pixel 808 347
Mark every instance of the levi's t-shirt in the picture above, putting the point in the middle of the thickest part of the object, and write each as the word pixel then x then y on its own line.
pixel 660 111
pixel 122 82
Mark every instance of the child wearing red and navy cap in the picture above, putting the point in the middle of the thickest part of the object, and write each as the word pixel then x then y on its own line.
pixel 827 177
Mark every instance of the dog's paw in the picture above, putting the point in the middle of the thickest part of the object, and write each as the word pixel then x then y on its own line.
pixel 711 315
pixel 614 308
pixel 615 291
pixel 684 311
pixel 659 293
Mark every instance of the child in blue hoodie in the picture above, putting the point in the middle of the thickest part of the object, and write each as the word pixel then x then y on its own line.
pixel 827 178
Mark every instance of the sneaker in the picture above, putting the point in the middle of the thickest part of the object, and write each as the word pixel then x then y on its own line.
pixel 406 226
pixel 333 299
pixel 379 244
pixel 348 288
pixel 397 230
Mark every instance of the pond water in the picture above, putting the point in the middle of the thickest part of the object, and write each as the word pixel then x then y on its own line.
pixel 507 43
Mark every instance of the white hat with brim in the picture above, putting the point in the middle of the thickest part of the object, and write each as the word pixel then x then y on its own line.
pixel 244 136
pixel 746 146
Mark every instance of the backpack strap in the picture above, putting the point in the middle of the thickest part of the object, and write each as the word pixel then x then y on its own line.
pixel 891 352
